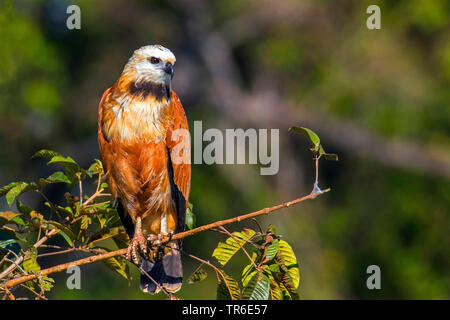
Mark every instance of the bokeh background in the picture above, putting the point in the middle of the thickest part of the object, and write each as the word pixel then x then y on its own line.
pixel 378 98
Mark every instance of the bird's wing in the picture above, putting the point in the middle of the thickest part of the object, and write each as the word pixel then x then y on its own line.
pixel 107 160
pixel 179 171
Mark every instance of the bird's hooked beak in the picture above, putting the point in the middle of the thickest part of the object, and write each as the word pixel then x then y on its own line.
pixel 169 69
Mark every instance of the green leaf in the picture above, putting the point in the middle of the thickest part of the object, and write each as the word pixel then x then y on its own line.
pixel 331 156
pixel 18 189
pixel 96 167
pixel 288 260
pixel 311 135
pixel 249 270
pixel 118 264
pixel 190 217
pixel 272 229
pixel 258 288
pixel 46 283
pixel 67 162
pixel 56 177
pixel 65 232
pixel 275 291
pixel 121 240
pixel 227 288
pixel 24 209
pixel 272 249
pixel 248 273
pixel 5 243
pixel 72 168
pixel 4 190
pixel 85 222
pixel 47 154
pixel 104 185
pixel 225 251
pixel 104 234
pixel 30 261
pixel 198 275
pixel 288 294
pixel 328 156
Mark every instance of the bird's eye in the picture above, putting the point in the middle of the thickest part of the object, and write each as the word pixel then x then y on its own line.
pixel 154 60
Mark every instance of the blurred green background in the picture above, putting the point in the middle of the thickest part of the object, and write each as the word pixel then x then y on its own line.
pixel 378 98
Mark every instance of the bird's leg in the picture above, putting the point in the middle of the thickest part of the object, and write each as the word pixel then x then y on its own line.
pixel 138 241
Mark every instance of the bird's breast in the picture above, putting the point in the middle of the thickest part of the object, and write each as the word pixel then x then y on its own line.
pixel 127 119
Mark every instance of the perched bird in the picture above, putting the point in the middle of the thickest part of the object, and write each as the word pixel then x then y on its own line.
pixel 137 121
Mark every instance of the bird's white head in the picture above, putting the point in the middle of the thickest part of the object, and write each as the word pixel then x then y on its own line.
pixel 152 63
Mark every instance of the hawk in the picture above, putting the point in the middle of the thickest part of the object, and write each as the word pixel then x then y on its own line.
pixel 138 122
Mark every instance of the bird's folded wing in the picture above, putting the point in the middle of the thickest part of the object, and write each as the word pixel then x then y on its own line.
pixel 181 169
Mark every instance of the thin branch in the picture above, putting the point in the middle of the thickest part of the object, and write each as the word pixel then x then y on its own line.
pixel 100 257
pixel 37 294
pixel 18 261
pixel 67 251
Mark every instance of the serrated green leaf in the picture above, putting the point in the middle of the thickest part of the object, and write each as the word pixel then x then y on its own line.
pixel 118 264
pixel 272 229
pixel 311 135
pixel 226 250
pixel 227 288
pixel 288 260
pixel 248 273
pixel 85 222
pixel 258 288
pixel 198 275
pixel 275 291
pixel 48 154
pixel 18 189
pixel 272 249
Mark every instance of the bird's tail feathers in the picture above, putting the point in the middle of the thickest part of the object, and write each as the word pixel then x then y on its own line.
pixel 166 270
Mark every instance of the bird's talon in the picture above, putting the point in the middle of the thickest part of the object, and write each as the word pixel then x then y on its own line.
pixel 137 244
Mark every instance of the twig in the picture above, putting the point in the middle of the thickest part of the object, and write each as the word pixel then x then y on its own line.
pixel 103 256
pixel 67 251
pixel 37 294
pixel 18 261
